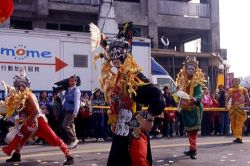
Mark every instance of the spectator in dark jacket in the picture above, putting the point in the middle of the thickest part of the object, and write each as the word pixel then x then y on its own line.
pixel 169 116
pixel 221 97
pixel 97 99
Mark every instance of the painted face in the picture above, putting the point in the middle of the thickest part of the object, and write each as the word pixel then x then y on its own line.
pixel 21 86
pixel 117 55
pixel 190 69
pixel 236 82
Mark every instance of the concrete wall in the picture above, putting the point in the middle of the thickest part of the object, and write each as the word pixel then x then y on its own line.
pixel 177 22
pixel 73 7
pixel 214 36
pixel 42 9
pixel 144 15
pixel 183 22
pixel 125 12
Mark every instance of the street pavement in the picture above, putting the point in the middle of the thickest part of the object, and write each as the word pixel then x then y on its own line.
pixel 212 151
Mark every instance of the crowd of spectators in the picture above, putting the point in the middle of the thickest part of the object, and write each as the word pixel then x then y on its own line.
pixel 92 122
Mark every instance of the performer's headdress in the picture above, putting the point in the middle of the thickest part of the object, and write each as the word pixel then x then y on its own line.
pixel 235 79
pixel 21 77
pixel 191 60
pixel 122 41
pixel 198 76
pixel 120 47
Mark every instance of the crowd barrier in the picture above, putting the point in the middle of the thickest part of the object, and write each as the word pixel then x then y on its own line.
pixel 174 108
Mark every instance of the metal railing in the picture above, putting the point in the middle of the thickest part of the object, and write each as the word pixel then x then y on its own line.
pixel 82 2
pixel 183 9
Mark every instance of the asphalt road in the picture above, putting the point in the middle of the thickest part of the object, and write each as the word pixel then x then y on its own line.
pixel 212 151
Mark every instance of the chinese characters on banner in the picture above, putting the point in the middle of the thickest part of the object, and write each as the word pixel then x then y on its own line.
pixel 9 68
pixel 37 94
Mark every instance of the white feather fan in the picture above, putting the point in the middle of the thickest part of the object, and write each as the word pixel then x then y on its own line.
pixel 95 36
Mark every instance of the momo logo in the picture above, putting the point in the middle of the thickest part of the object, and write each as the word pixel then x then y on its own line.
pixel 20 52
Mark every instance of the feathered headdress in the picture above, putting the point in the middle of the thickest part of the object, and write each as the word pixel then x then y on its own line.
pixel 129 67
pixel 191 60
pixel 21 77
pixel 198 77
pixel 97 38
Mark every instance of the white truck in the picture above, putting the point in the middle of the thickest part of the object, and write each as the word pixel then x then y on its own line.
pixel 50 56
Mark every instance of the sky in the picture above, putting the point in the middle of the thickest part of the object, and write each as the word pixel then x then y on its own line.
pixel 235 34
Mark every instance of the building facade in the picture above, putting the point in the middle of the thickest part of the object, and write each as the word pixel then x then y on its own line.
pixel 169 24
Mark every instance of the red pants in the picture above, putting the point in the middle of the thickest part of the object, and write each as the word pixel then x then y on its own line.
pixel 139 151
pixel 43 131
pixel 192 136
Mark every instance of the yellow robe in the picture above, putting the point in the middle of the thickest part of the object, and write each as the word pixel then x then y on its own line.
pixel 236 114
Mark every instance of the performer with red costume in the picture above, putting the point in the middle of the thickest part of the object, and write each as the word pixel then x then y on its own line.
pixel 125 89
pixel 23 104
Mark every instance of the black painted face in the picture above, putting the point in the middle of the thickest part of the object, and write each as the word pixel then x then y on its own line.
pixel 117 55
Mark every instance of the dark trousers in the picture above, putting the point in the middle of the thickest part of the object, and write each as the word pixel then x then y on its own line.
pixel 79 125
pixel 119 152
pixel 205 124
pixel 157 126
pixel 168 128
pixel 68 126
pixel 181 126
pixel 225 123
pixel 99 124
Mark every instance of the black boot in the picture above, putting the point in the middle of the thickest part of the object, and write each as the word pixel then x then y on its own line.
pixel 193 154
pixel 16 157
pixel 187 152
pixel 238 140
pixel 69 161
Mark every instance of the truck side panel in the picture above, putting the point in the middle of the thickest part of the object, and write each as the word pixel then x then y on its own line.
pixel 141 51
pixel 36 53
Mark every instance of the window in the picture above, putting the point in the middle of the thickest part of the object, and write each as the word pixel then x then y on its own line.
pixel 52 26
pixel 161 82
pixel 136 32
pixel 75 28
pixel 19 24
pixel 81 61
pixel 68 27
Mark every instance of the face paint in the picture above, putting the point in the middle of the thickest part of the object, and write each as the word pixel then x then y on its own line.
pixel 190 69
pixel 236 82
pixel 117 63
pixel 117 55
pixel 21 86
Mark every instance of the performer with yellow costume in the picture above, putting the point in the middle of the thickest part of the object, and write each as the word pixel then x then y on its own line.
pixel 238 96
